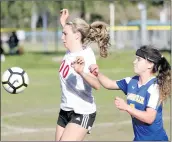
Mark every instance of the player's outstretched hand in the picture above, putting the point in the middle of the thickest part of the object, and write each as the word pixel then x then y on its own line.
pixel 78 64
pixel 94 69
pixel 64 16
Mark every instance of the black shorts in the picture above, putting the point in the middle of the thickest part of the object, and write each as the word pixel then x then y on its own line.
pixel 84 120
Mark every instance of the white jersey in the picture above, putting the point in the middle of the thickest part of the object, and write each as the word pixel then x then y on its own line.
pixel 76 92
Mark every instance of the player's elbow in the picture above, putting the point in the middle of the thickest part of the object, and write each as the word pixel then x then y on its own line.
pixel 150 120
pixel 97 86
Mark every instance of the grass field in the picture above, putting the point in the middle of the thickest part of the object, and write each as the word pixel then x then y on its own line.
pixel 32 114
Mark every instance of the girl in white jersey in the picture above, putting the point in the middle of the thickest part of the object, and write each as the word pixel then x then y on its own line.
pixel 145 93
pixel 77 108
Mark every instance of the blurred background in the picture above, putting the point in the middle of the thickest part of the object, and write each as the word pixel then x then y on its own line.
pixel 132 22
pixel 31 39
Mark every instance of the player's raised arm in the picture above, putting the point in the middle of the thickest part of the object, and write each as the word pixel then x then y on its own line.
pixel 104 81
pixel 64 16
pixel 78 66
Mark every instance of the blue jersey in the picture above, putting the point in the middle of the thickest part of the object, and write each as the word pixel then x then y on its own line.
pixel 142 97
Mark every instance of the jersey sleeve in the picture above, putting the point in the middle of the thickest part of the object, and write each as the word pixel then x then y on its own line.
pixel 89 58
pixel 153 96
pixel 123 84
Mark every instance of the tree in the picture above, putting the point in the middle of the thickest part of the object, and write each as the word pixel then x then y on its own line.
pixel 15 13
pixel 157 2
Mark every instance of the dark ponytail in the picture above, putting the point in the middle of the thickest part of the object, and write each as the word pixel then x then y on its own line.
pixel 161 66
pixel 164 79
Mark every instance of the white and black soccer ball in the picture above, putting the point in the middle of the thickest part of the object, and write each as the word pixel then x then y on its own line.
pixel 15 80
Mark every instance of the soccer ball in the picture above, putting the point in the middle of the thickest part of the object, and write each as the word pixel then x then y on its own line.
pixel 15 80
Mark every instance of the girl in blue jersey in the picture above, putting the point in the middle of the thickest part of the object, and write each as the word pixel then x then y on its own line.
pixel 145 93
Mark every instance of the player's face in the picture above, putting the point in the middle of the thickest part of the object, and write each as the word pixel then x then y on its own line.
pixel 68 36
pixel 140 65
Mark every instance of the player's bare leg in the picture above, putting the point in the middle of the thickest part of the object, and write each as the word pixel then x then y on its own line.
pixel 74 132
pixel 59 132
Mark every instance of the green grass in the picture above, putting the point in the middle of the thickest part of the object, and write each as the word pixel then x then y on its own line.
pixel 39 103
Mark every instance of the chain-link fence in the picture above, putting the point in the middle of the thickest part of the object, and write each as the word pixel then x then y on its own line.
pixel 125 35
pixel 123 38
